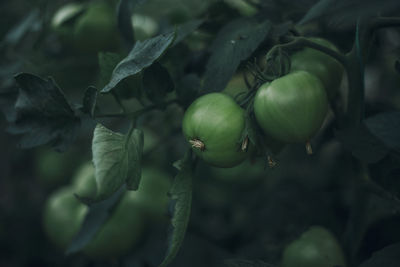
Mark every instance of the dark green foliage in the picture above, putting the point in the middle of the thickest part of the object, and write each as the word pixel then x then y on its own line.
pixel 389 256
pixel 94 219
pixel 43 114
pixel 181 197
pixel 157 82
pixel 125 10
pixel 344 13
pixel 137 93
pixel 234 43
pixel 142 55
pixel 90 100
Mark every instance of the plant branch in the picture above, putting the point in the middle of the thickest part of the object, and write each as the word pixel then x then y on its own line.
pixel 301 42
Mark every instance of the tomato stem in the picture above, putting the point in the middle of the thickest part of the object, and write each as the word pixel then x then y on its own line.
pixel 271 162
pixel 245 144
pixel 197 143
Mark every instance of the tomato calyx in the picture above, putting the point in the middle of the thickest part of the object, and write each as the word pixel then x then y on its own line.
pixel 197 143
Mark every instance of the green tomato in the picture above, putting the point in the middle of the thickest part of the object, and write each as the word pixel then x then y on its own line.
pixel 64 18
pixel 316 247
pixel 96 30
pixel 213 125
pixel 53 168
pixel 291 108
pixel 123 230
pixel 88 29
pixel 64 215
pixel 152 195
pixel 326 68
pixel 84 182
pixel 236 85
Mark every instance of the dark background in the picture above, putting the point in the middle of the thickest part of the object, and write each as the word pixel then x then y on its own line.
pixel 250 213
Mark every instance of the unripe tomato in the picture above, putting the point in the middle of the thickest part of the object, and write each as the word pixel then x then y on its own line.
pixel 90 28
pixel 213 125
pixel 63 20
pixel 325 67
pixel 123 230
pixel 84 182
pixel 316 247
pixel 96 29
pixel 291 108
pixel 63 216
pixel 53 168
pixel 152 195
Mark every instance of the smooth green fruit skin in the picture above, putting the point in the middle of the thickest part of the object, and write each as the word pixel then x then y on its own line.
pixel 84 182
pixel 63 216
pixel 121 232
pixel 316 247
pixel 152 195
pixel 291 108
pixel 236 85
pixel 217 121
pixel 326 68
pixel 96 30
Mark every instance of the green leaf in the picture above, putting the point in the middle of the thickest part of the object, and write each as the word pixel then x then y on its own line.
pixel 141 56
pixel 117 159
pixel 185 29
pixel 98 213
pixel 129 87
pixel 135 153
pixel 341 13
pixel 124 14
pixel 43 115
pixel 234 43
pixel 246 263
pixel 107 63
pixel 388 257
pixel 157 82
pixel 89 101
pixel 181 195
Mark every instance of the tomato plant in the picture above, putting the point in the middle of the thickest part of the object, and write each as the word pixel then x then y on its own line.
pixel 213 125
pixel 183 123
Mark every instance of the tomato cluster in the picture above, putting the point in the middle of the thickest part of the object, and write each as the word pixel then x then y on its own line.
pixel 126 225
pixel 290 109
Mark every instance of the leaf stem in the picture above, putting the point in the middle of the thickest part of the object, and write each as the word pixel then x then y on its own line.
pixel 300 42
